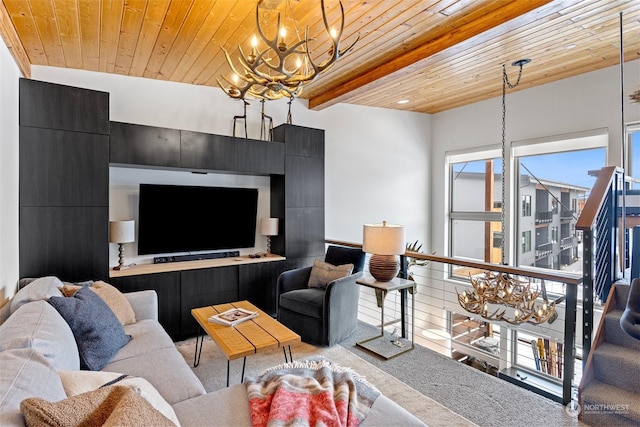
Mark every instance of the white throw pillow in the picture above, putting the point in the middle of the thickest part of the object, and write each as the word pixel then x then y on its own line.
pixel 78 382
pixel 40 289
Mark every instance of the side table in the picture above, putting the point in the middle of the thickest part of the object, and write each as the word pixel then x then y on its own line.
pixel 379 344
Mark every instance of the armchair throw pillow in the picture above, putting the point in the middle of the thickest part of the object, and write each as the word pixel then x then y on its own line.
pixel 97 330
pixel 323 273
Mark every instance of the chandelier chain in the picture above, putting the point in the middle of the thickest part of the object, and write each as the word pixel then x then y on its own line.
pixel 505 83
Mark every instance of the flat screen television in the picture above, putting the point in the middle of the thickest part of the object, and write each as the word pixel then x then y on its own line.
pixel 179 218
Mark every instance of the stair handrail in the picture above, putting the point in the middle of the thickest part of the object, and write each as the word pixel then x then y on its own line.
pixel 598 223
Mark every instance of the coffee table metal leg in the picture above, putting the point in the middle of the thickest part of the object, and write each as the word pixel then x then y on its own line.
pixel 228 361
pixel 284 350
pixel 197 354
pixel 244 363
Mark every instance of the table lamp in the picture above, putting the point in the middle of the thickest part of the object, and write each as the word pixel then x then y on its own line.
pixel 121 232
pixel 384 242
pixel 268 228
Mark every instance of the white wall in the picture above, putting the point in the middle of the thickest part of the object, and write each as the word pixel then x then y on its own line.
pixel 581 103
pixel 376 160
pixel 9 75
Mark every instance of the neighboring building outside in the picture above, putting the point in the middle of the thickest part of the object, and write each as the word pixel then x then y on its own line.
pixel 547 216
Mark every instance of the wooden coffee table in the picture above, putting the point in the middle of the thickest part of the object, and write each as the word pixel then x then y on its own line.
pixel 261 333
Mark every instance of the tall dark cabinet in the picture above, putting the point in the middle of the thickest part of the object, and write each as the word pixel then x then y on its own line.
pixel 297 197
pixel 64 181
pixel 66 146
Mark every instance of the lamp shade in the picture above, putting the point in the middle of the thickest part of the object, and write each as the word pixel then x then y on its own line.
pixel 383 239
pixel 269 226
pixel 122 231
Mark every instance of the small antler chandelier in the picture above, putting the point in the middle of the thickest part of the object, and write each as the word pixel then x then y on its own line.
pixel 506 291
pixel 280 69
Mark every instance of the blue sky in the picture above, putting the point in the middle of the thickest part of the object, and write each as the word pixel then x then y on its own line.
pixel 567 167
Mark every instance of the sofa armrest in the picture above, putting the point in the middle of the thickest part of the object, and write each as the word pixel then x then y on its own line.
pixel 144 304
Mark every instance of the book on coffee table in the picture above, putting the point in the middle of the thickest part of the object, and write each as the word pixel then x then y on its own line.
pixel 233 316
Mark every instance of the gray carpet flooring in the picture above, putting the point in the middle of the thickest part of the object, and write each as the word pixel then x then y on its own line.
pixel 477 396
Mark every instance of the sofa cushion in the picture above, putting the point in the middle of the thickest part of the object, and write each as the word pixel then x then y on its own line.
pixel 116 301
pixel 39 289
pixel 25 373
pixel 107 406
pixel 304 301
pixel 323 273
pixel 166 370
pixel 146 336
pixel 97 330
pixel 38 325
pixel 230 406
pixel 78 382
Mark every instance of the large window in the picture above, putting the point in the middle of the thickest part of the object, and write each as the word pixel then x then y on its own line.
pixel 475 206
pixel 556 177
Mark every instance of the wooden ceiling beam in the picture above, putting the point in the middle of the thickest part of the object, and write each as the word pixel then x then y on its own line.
pixel 456 35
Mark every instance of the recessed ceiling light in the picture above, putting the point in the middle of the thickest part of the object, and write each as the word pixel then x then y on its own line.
pixel 403 101
pixel 570 46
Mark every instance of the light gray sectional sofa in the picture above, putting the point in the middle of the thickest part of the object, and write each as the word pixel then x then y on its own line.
pixel 36 343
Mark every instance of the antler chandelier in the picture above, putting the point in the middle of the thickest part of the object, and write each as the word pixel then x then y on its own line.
pixel 501 288
pixel 279 69
pixel 506 291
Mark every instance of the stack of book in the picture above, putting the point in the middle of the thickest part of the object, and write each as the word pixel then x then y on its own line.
pixel 232 317
pixel 548 356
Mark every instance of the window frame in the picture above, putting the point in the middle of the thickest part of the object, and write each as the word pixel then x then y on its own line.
pixel 457 157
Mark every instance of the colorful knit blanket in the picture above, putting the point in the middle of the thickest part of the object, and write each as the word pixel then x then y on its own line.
pixel 309 393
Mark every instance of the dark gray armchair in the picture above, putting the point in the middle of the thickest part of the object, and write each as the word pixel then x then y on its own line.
pixel 321 316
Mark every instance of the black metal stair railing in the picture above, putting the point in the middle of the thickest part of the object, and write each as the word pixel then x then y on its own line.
pixel 599 223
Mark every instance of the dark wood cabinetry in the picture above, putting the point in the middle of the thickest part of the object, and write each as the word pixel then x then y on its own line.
pixel 167 286
pixel 260 157
pixel 144 145
pixel 299 195
pixel 58 166
pixel 258 284
pixel 54 106
pixel 300 140
pixel 304 185
pixel 66 146
pixel 68 242
pixel 209 152
pixel 199 288
pixel 64 181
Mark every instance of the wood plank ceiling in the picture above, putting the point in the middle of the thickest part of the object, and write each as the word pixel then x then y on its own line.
pixel 437 54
